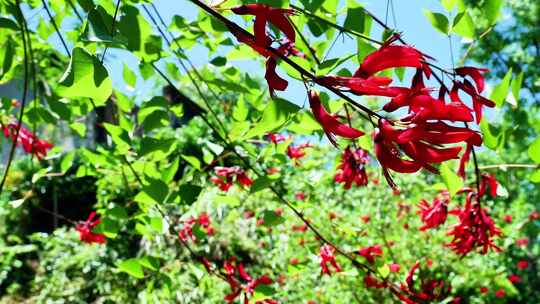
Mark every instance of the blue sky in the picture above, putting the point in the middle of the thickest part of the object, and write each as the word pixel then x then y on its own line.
pixel 410 20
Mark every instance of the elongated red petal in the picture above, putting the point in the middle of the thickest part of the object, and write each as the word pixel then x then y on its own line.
pixel 475 74
pixel 259 28
pixel 329 123
pixel 426 154
pixel 278 17
pixel 390 56
pixel 390 160
pixel 275 82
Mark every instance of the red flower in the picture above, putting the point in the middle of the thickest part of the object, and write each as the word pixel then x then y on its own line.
pixel 352 168
pixel 427 291
pixel 300 196
pixel 478 101
pixel 326 255
pixel 394 267
pixel 500 293
pixel 276 138
pixel 390 56
pixel 275 82
pixel 507 218
pixel 484 290
pixel 522 242
pixel 329 122
pixel 30 143
pixel 372 282
pixel 475 74
pixel 231 268
pixel 365 218
pixel 522 264
pixel 186 232
pixel 534 216
pixel 435 214
pixel 514 278
pixel 475 229
pixel 227 175
pixel 263 14
pixel 370 252
pixel 297 152
pixel 488 180
pixel 85 230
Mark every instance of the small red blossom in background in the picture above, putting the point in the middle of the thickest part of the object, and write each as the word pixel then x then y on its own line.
pixel 484 290
pixel 352 168
pixel 435 214
pixel 426 291
pixel 330 124
pixel 522 242
pixel 300 196
pixel 500 293
pixel 522 264
pixel 85 230
pixel 227 175
pixel 297 152
pixel 507 218
pixel 475 229
pixel 326 255
pixel 372 282
pixel 394 267
pixel 30 143
pixel 514 278
pixel 186 232
pixel 276 138
pixel 236 273
pixel 370 252
pixel 273 170
pixel 533 216
pixel 488 180
pixel 365 218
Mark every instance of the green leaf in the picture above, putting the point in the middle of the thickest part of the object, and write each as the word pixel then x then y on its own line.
pixel 438 21
pixel 501 90
pixel 261 292
pixel 516 86
pixel 219 61
pixel 535 176
pixel 67 162
pixel 149 262
pixel 8 24
pixel 240 110
pixel 452 181
pixel 119 137
pixel 189 193
pixel 6 55
pixel 271 218
pixel 129 77
pixel 274 116
pixel 260 184
pixel 193 161
pixel 85 77
pixel 448 4
pixel 463 25
pixel 132 267
pixel 156 189
pixel 492 10
pixel 79 128
pixel 98 27
pixel 534 151
pixel 384 270
pixel 167 175
pixel 491 141
pixel 357 19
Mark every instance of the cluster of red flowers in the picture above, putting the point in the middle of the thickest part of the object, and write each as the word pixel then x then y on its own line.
pixel 326 255
pixel 297 152
pixel 352 168
pixel 427 291
pixel 85 230
pixel 30 143
pixel 227 175
pixel 278 17
pixel 435 214
pixel 276 138
pixel 186 232
pixel 370 252
pixel 231 269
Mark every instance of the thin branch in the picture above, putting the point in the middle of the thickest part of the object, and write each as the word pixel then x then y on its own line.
pixel 304 39
pixel 504 166
pixel 23 99
pixel 112 29
pixel 290 62
pixel 56 27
